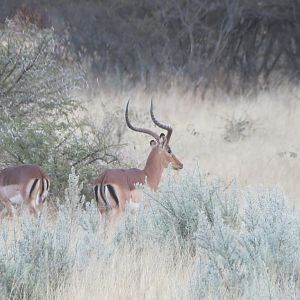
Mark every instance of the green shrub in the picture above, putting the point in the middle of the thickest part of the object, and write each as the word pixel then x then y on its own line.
pixel 40 120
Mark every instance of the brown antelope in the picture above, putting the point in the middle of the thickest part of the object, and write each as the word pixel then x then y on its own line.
pixel 114 187
pixel 23 184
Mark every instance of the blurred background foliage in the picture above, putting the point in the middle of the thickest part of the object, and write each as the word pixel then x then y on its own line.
pixel 239 242
pixel 41 121
pixel 237 46
pixel 51 49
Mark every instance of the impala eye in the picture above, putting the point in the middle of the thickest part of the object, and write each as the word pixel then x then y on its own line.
pixel 169 151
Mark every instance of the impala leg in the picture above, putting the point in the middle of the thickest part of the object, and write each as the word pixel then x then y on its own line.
pixel 7 210
pixel 111 220
pixel 117 215
pixel 104 217
pixel 123 196
pixel 32 198
pixel 33 211
pixel 102 209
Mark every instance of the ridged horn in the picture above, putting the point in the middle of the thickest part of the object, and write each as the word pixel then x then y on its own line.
pixel 143 130
pixel 160 125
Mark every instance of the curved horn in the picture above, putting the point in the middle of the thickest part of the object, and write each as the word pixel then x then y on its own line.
pixel 166 127
pixel 147 131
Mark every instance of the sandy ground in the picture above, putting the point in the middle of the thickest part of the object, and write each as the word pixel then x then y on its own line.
pixel 266 152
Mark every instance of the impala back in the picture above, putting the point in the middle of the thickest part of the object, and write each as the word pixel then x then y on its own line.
pixel 24 183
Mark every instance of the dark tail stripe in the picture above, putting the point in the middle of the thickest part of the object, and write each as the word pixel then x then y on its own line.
pixel 101 187
pixel 96 193
pixel 113 193
pixel 43 187
pixel 33 186
pixel 47 186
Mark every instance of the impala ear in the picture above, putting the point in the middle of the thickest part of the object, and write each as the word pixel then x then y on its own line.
pixel 152 143
pixel 162 138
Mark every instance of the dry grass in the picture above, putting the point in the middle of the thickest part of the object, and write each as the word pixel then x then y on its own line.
pixel 267 155
pixel 129 274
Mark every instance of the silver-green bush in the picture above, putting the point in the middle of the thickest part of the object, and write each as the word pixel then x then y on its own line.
pixel 247 252
pixel 238 252
pixel 37 256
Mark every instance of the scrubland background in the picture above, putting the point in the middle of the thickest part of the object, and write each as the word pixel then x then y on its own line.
pixel 225 75
pixel 247 138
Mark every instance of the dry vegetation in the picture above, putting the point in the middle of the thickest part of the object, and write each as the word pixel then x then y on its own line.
pixel 265 154
pixel 129 275
pixel 251 139
pixel 225 227
pixel 193 241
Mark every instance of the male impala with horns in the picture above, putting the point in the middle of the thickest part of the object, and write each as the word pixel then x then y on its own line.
pixel 114 187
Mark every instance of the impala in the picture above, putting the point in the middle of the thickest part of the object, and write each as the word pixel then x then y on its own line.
pixel 114 187
pixel 23 184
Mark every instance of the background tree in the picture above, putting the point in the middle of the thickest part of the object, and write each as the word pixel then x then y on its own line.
pixel 40 120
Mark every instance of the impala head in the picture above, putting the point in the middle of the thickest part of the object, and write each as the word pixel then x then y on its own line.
pixel 160 144
pixel 164 151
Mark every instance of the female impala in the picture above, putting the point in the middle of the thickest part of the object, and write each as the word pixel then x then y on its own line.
pixel 23 184
pixel 116 186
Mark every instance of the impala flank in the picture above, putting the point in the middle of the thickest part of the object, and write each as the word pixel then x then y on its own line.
pixel 114 187
pixel 23 184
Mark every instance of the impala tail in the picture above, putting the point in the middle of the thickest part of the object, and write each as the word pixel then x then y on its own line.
pixel 104 194
pixel 39 190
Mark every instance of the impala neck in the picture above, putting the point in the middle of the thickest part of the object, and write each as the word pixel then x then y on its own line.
pixel 154 168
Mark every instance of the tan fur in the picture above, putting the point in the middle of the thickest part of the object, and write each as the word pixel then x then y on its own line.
pixel 124 181
pixel 15 186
